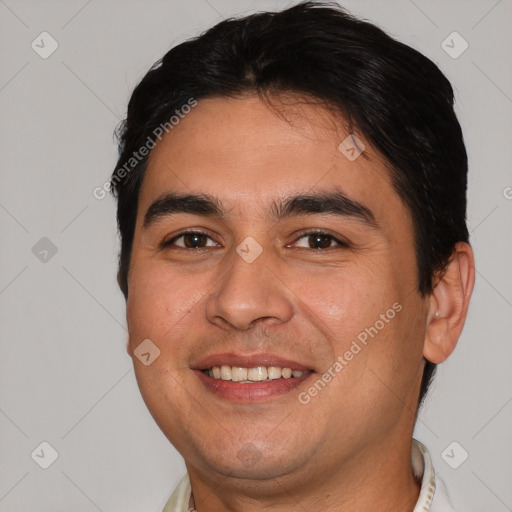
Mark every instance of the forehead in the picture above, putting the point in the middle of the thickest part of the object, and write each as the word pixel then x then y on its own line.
pixel 247 154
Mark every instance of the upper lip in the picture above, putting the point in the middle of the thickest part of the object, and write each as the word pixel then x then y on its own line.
pixel 247 361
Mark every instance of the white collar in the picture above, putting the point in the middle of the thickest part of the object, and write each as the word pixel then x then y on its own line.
pixel 423 469
pixel 421 465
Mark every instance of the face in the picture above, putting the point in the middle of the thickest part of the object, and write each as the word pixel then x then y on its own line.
pixel 262 247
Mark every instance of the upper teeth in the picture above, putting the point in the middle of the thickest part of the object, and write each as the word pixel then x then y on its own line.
pixel 256 374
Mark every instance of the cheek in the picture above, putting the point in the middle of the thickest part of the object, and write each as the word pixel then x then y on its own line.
pixel 345 301
pixel 160 303
pixel 392 357
pixel 366 321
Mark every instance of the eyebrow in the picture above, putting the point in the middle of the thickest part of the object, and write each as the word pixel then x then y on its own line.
pixel 170 204
pixel 323 202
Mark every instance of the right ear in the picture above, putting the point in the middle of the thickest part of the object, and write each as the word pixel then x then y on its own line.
pixel 119 281
pixel 121 285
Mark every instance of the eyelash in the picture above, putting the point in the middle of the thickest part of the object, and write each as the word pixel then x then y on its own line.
pixel 341 243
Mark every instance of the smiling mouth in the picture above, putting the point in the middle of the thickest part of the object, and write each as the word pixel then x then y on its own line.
pixel 253 375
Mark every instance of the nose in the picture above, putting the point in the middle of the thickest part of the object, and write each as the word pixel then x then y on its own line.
pixel 248 293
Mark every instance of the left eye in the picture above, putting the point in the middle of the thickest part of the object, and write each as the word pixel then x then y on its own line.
pixel 320 240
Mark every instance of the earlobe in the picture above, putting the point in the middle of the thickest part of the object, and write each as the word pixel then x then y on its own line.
pixel 449 304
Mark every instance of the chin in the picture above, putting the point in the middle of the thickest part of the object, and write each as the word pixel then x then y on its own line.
pixel 251 460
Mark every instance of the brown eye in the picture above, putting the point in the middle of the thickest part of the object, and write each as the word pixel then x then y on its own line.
pixel 320 240
pixel 191 240
pixel 194 240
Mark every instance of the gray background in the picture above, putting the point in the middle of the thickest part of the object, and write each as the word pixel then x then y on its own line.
pixel 65 377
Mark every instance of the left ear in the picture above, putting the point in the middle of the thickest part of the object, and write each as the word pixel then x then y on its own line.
pixel 449 304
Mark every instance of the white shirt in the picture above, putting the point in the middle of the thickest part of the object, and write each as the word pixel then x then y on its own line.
pixel 433 496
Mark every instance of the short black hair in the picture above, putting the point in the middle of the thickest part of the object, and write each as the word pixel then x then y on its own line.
pixel 393 95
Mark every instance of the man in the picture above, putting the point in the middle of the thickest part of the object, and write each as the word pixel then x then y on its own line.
pixel 295 260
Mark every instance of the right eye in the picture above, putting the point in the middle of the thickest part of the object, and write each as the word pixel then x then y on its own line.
pixel 190 240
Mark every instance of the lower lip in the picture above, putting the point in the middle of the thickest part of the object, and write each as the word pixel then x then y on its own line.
pixel 250 392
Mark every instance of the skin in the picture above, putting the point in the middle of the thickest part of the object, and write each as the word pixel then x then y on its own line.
pixel 349 448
